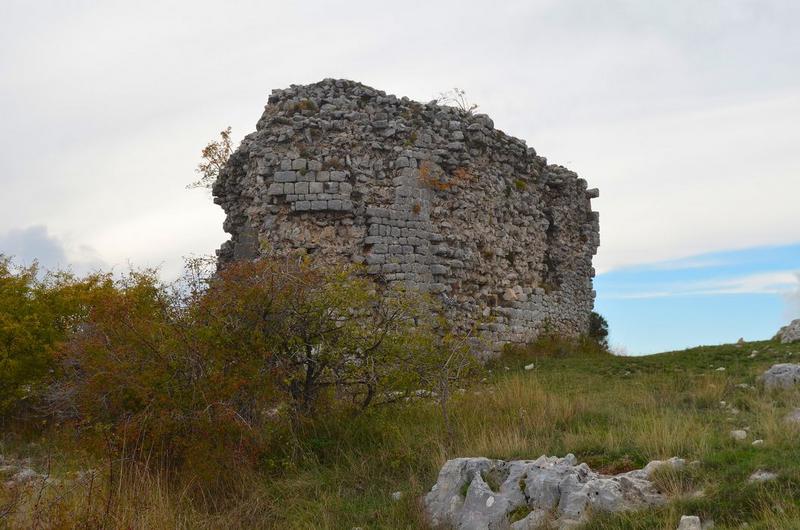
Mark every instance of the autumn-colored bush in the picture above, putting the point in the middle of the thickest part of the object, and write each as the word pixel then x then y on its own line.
pixel 209 373
pixel 37 311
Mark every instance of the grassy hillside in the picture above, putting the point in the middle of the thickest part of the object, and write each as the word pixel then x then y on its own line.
pixel 615 413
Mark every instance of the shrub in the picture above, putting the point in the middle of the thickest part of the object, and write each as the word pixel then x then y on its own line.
pixel 598 329
pixel 203 374
pixel 36 311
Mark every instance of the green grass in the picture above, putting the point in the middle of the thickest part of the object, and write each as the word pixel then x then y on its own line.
pixel 615 413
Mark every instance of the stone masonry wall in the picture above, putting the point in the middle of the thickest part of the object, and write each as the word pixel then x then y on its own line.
pixel 423 194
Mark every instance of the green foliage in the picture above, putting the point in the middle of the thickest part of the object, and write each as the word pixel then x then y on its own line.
pixel 520 184
pixel 213 371
pixel 598 329
pixel 214 157
pixel 519 513
pixel 412 139
pixel 615 413
pixel 36 312
pixel 550 344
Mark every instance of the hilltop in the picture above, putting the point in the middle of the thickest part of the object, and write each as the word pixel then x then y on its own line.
pixel 614 413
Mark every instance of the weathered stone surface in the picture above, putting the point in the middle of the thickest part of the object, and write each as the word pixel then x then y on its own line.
pixel 793 418
pixel 427 196
pixel 690 522
pixel 762 476
pixel 784 375
pixel 739 435
pixel 789 333
pixel 479 493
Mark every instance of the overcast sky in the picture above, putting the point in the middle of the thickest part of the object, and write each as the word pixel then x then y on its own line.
pixel 684 113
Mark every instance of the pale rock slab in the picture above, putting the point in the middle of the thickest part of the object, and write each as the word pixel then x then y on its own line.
pixel 783 375
pixel 789 333
pixel 689 522
pixel 549 486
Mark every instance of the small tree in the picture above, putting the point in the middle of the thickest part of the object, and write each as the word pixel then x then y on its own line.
pixel 200 373
pixel 598 329
pixel 214 157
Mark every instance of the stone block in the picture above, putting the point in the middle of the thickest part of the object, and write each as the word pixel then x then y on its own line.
pixel 285 176
pixel 276 188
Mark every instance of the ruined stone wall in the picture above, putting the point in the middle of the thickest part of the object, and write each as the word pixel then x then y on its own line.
pixel 423 194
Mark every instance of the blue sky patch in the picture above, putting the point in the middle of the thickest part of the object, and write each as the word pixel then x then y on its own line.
pixel 707 299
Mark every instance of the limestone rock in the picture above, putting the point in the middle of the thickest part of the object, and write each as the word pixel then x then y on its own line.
pixel 739 435
pixel 689 522
pixel 793 417
pixel 784 375
pixel 789 333
pixel 25 475
pixel 762 476
pixel 533 521
pixel 479 493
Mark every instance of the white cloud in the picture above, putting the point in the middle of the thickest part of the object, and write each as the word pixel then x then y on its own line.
pixel 775 282
pixel 692 182
pixel 683 113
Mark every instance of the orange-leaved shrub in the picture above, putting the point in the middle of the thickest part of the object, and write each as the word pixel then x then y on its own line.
pixel 206 373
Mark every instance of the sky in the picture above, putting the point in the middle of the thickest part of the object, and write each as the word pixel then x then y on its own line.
pixel 683 113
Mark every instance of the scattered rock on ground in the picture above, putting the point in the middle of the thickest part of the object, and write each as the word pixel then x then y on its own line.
pixel 762 476
pixel 397 495
pixel 530 366
pixel 793 417
pixel 790 333
pixel 739 434
pixel 689 522
pixel 758 442
pixel 479 493
pixel 783 375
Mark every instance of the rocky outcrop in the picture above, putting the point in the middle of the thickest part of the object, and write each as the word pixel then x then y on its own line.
pixel 790 333
pixel 784 375
pixel 482 494
pixel 425 195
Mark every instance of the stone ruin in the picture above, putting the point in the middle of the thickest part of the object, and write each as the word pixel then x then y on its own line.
pixel 424 194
